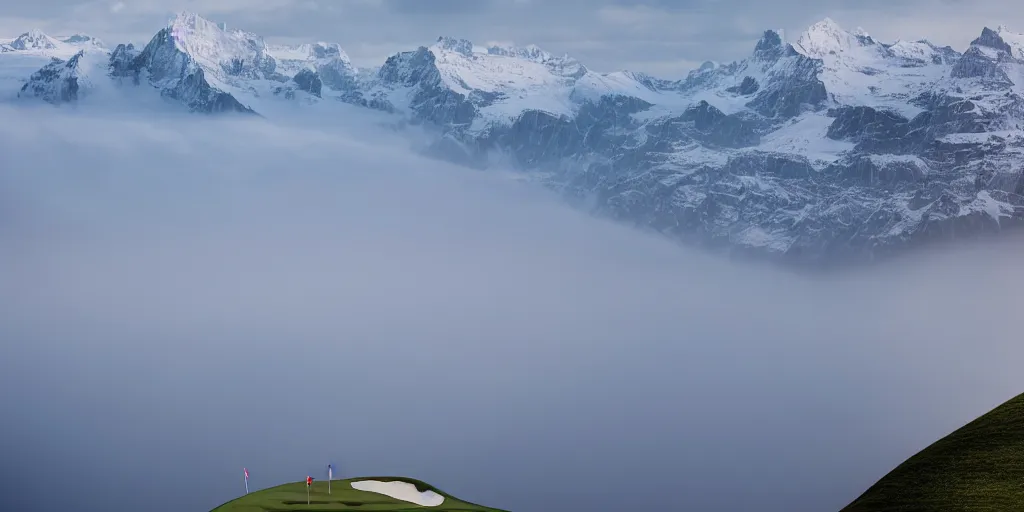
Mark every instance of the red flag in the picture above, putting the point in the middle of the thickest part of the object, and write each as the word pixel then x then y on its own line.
pixel 309 480
pixel 246 473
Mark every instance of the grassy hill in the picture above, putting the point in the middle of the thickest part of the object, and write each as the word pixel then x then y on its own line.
pixel 343 497
pixel 978 468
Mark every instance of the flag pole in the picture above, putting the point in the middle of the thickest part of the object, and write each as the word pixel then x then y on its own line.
pixel 246 480
pixel 330 474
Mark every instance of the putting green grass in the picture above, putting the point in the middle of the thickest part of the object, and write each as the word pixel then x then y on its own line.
pixel 978 468
pixel 343 497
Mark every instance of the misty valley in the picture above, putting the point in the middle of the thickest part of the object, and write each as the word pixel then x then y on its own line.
pixel 242 272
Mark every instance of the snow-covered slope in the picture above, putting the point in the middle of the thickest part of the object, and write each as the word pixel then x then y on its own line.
pixel 478 88
pixel 37 58
pixel 834 147
pixel 34 40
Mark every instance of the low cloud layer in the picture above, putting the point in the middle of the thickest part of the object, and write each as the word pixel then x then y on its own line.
pixel 185 296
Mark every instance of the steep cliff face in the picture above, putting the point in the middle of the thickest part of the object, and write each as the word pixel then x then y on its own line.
pixel 179 76
pixel 57 82
pixel 212 69
pixel 331 64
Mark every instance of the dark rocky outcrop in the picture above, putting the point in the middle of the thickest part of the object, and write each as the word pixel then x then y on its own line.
pixel 308 81
pixel 183 79
pixel 747 87
pixel 56 82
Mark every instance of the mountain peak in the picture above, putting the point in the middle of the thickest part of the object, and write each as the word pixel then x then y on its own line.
pixel 191 22
pixel 463 46
pixel 827 24
pixel 34 39
pixel 992 39
pixel 1014 42
pixel 529 52
pixel 324 50
pixel 827 37
pixel 184 19
pixel 770 46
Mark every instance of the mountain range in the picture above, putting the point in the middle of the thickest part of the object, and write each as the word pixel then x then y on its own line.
pixel 833 148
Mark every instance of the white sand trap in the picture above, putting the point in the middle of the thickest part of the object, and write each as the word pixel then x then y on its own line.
pixel 400 491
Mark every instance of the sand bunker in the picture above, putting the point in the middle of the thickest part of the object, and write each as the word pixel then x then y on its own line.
pixel 400 491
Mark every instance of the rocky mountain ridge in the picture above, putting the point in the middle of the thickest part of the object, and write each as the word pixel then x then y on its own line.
pixel 831 149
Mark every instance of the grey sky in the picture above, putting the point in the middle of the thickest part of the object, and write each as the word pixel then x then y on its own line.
pixel 185 296
pixel 665 37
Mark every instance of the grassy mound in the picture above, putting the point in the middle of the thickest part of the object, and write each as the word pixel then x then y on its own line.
pixel 292 497
pixel 978 468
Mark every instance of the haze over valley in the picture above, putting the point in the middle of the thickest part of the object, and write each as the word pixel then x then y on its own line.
pixel 204 266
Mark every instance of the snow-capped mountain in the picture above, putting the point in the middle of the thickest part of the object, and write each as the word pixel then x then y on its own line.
pixel 34 40
pixel 835 147
pixel 58 81
pixel 37 42
pixel 328 60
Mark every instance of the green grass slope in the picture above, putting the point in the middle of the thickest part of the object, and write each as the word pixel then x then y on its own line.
pixel 292 497
pixel 978 468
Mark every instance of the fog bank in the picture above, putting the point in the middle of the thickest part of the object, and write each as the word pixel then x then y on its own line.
pixel 185 296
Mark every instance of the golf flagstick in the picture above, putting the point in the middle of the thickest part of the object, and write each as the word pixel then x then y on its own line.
pixel 330 475
pixel 246 472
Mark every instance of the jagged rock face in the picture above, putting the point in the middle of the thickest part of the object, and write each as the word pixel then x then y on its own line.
pixel 180 78
pixel 338 75
pixel 33 40
pixel 124 63
pixel 327 60
pixel 308 81
pixel 260 65
pixel 747 87
pixel 770 46
pixel 431 101
pixel 880 131
pixel 989 38
pixel 411 69
pixel 162 59
pixel 194 92
pixel 462 46
pixel 709 126
pixel 975 64
pixel 57 82
pixel 791 90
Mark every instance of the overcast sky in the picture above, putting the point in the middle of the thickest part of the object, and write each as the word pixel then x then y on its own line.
pixel 665 37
